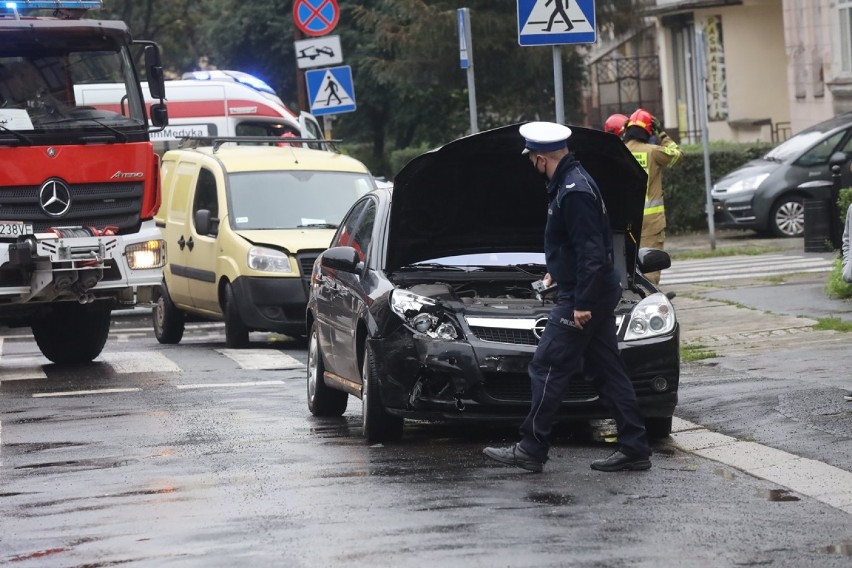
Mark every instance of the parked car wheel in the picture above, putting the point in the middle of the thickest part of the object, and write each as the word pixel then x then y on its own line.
pixel 658 427
pixel 168 319
pixel 322 400
pixel 236 333
pixel 787 217
pixel 379 426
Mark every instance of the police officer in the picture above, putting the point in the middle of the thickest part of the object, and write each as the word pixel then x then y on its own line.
pixel 580 334
pixel 642 128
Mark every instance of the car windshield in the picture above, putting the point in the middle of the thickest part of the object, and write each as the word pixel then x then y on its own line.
pixel 294 199
pixel 488 260
pixel 794 146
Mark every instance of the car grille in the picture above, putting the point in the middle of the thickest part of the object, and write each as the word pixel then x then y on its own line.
pixel 495 331
pixel 306 262
pixel 498 335
pixel 516 387
pixel 92 205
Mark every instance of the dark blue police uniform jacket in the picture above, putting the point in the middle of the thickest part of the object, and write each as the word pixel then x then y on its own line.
pixel 577 238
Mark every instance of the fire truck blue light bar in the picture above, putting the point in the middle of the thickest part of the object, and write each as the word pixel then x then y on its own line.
pixel 55 4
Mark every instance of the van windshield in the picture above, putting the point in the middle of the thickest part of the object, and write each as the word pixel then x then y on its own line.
pixel 293 199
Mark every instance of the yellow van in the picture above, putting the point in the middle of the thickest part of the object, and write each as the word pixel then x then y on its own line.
pixel 243 225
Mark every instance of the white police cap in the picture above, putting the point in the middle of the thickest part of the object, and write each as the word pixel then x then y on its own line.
pixel 544 136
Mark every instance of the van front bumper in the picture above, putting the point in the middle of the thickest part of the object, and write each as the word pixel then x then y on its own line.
pixel 272 304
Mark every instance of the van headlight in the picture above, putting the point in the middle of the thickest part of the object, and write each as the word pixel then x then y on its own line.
pixel 431 322
pixel 268 260
pixel 651 317
pixel 147 255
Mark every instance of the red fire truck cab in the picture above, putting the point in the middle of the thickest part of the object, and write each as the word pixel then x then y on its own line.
pixel 79 186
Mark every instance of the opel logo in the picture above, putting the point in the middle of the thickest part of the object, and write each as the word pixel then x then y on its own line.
pixel 55 197
pixel 538 327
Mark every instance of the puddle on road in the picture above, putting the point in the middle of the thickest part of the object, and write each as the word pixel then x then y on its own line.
pixel 549 498
pixel 781 495
pixel 28 448
pixel 844 549
pixel 91 464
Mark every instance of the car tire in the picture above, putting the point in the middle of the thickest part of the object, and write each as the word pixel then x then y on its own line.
pixel 169 321
pixel 322 399
pixel 74 334
pixel 658 427
pixel 787 217
pixel 379 426
pixel 236 332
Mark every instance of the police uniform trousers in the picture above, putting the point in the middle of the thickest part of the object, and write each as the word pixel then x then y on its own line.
pixel 565 353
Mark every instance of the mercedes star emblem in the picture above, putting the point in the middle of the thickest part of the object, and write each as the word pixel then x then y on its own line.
pixel 55 197
pixel 538 327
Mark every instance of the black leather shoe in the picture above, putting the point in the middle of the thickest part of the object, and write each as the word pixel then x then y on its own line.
pixel 516 456
pixel 848 397
pixel 619 462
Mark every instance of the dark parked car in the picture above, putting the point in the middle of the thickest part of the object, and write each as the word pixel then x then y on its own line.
pixel 767 194
pixel 423 307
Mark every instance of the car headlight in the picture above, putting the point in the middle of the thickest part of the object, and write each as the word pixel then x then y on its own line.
pixel 410 307
pixel 651 317
pixel 268 260
pixel 147 255
pixel 746 184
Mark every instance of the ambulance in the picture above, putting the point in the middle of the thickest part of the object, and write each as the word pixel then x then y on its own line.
pixel 214 103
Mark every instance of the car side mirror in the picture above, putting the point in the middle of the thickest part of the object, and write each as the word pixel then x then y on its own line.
pixel 653 260
pixel 345 259
pixel 159 115
pixel 838 159
pixel 205 224
pixel 154 70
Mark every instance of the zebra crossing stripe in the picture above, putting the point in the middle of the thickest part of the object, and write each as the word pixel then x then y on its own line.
pixel 729 268
pixel 139 362
pixel 261 359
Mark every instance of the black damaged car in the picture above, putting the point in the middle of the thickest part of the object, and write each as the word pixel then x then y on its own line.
pixel 423 306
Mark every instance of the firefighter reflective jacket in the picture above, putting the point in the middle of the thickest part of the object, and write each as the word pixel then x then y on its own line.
pixel 653 158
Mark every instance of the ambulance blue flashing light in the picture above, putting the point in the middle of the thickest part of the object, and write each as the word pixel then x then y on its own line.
pixel 254 83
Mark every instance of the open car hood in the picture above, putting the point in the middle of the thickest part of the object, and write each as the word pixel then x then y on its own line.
pixel 479 194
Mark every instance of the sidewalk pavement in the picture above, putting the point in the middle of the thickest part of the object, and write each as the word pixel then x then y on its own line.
pixel 760 325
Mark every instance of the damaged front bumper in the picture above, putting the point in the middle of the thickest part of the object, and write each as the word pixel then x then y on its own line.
pixel 429 378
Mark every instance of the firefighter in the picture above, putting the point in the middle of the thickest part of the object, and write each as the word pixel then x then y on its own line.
pixel 641 126
pixel 615 124
pixel 580 334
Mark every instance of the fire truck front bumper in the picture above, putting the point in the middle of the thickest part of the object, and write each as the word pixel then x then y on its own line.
pixel 75 263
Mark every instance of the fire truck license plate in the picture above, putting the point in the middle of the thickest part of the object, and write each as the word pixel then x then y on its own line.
pixel 15 228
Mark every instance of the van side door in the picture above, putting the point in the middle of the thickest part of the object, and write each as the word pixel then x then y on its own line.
pixel 203 255
pixel 179 178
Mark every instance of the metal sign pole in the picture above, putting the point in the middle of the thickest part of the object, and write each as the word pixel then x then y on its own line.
pixel 466 62
pixel 701 81
pixel 557 84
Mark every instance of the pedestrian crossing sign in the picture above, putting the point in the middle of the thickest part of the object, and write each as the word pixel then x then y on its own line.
pixel 556 22
pixel 330 90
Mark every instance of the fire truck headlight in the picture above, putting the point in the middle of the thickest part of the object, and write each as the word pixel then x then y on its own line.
pixel 147 255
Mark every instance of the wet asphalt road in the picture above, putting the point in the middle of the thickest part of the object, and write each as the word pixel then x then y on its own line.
pixel 208 463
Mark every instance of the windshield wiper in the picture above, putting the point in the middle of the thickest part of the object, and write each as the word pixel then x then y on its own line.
pixel 122 137
pixel 318 226
pixel 25 139
pixel 438 266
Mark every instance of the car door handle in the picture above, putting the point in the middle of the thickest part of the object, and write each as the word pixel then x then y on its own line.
pixel 190 244
pixel 181 242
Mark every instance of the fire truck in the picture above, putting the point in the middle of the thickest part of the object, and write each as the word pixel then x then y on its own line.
pixel 79 186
